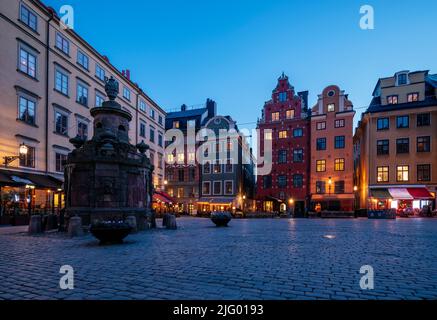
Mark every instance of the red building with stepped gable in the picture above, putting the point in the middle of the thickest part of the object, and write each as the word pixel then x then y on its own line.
pixel 286 188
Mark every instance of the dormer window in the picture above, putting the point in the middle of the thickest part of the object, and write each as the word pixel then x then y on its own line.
pixel 392 100
pixel 402 79
pixel 282 96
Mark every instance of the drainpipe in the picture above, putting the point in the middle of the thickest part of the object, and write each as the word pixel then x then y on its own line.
pixel 47 91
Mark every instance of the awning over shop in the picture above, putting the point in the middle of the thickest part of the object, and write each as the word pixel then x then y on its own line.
pixel 162 197
pixel 274 199
pixel 18 179
pixel 217 200
pixel 400 194
pixel 420 193
pixel 380 194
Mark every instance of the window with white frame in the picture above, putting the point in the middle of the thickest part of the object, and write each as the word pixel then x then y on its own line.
pixel 82 129
pixel 82 59
pixel 61 123
pixel 126 93
pixel 26 108
pixel 152 113
pixel 60 160
pixel 27 60
pixel 217 187
pixel 142 105
pixel 142 129
pixel 61 81
pixel 100 72
pixel 229 187
pixel 28 17
pixel 206 187
pixel 82 93
pixel 62 43
pixel 99 99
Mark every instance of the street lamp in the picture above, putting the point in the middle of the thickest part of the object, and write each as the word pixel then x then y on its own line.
pixel 22 152
pixel 329 185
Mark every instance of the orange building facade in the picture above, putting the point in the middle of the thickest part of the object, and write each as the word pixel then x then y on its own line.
pixel 332 165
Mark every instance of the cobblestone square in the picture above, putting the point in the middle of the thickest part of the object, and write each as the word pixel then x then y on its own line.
pixel 251 259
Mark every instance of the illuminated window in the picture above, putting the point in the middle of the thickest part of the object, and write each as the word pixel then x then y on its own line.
pixel 170 158
pixel 275 116
pixel 229 187
pixel 413 97
pixel 392 99
pixel 321 125
pixel 339 164
pixel 268 135
pixel 289 114
pixel 176 124
pixel 331 107
pixel 402 173
pixel 382 174
pixel 283 134
pixel 339 123
pixel 217 167
pixel 181 157
pixel 320 165
pixel 191 156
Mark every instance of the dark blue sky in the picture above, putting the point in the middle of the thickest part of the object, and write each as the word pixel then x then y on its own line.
pixel 234 51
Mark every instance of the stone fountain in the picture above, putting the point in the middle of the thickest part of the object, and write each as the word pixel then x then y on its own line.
pixel 107 178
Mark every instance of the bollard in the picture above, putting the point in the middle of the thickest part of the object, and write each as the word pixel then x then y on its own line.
pixel 171 222
pixel 75 227
pixel 35 224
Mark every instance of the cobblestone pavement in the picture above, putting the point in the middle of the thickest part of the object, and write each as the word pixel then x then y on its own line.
pixel 252 259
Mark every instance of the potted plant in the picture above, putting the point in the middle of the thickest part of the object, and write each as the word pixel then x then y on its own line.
pixel 110 231
pixel 221 219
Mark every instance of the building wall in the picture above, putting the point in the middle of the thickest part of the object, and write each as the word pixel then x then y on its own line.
pixel 343 111
pixel 367 135
pixel 290 167
pixel 43 135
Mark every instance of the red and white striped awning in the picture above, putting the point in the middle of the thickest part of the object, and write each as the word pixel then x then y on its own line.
pixel 401 193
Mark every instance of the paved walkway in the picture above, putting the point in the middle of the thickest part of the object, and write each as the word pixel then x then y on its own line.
pixel 252 259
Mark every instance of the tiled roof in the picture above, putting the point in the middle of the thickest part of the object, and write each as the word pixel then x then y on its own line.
pixel 186 113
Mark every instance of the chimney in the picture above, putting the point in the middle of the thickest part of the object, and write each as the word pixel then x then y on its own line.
pixel 211 106
pixel 184 107
pixel 123 73
pixel 106 59
pixel 128 74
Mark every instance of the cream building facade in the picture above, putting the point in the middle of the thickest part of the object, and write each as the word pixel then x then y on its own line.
pixel 395 144
pixel 50 78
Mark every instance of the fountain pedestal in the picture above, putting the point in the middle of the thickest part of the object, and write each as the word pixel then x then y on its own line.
pixel 107 178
